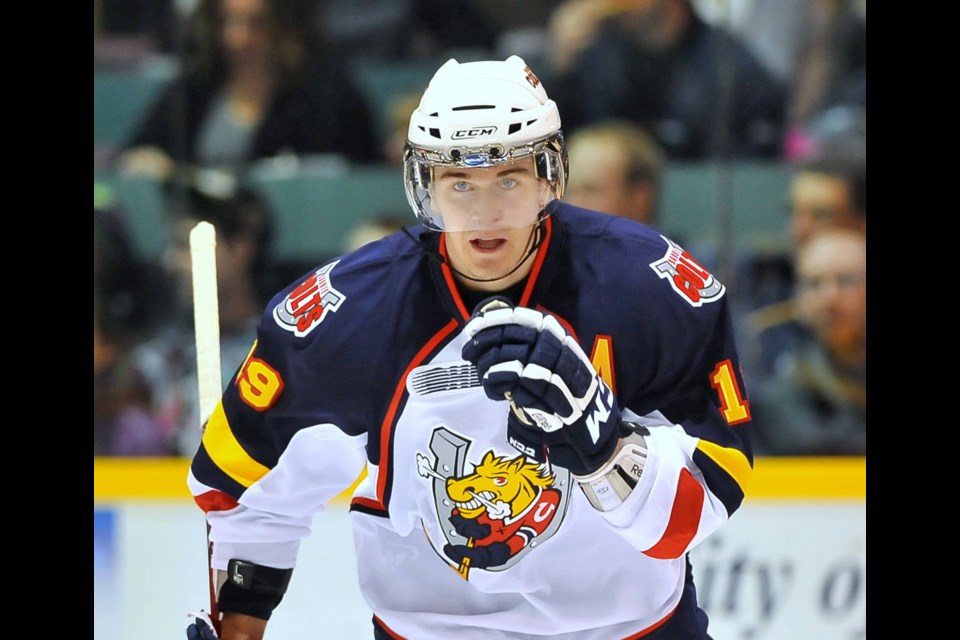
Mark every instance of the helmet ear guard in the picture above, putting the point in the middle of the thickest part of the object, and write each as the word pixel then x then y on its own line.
pixel 553 165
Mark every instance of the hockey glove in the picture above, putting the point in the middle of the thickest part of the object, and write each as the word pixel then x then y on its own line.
pixel 557 400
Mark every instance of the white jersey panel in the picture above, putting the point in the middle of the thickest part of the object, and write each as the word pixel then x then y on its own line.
pixel 449 433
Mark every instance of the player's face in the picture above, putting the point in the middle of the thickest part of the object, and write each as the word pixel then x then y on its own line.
pixel 489 198
pixel 490 216
pixel 491 256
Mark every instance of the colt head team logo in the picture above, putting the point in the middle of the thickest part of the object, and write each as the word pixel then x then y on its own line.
pixel 494 515
pixel 309 303
pixel 694 283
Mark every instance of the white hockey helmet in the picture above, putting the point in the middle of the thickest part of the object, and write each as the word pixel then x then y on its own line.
pixel 479 115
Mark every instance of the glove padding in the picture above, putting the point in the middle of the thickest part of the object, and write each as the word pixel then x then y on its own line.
pixel 558 401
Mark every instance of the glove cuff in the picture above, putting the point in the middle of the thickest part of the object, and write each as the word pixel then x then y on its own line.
pixel 608 487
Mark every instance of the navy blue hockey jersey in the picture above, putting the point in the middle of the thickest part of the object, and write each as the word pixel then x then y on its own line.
pixel 357 368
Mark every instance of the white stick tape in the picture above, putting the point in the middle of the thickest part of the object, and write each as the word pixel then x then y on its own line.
pixel 206 317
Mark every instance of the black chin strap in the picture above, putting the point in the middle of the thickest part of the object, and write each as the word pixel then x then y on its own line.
pixel 537 236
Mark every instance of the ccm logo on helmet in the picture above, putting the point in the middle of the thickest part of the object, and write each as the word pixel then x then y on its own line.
pixel 463 134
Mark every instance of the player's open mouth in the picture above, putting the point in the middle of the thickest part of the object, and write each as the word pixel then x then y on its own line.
pixel 487 244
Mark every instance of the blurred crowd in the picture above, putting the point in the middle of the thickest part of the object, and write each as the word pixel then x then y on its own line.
pixel 641 85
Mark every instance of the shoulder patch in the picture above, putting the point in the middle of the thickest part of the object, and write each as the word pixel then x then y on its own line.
pixel 695 284
pixel 308 304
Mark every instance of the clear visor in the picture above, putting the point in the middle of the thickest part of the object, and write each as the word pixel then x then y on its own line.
pixel 498 193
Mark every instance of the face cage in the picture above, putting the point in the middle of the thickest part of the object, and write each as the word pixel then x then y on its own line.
pixel 550 161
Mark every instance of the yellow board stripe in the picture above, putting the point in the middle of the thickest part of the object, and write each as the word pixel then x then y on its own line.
pixel 813 477
pixel 730 460
pixel 148 478
pixel 226 452
pixel 772 479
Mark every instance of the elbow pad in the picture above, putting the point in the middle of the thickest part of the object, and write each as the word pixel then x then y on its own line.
pixel 252 589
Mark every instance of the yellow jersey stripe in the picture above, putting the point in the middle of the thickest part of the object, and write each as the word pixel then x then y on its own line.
pixel 226 452
pixel 733 461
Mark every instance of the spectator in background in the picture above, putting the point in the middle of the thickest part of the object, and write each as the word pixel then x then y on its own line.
pixel 815 402
pixel 829 89
pixel 615 167
pixel 130 285
pixel 657 62
pixel 244 227
pixel 817 48
pixel 827 190
pixel 403 30
pixel 125 288
pixel 398 121
pixel 123 424
pixel 256 83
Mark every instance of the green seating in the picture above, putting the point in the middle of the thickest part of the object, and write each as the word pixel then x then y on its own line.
pixel 317 203
pixel 121 99
pixel 715 204
pixel 142 201
pixel 317 208
pixel 384 83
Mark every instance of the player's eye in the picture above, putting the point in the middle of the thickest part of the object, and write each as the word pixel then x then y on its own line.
pixel 461 186
pixel 509 183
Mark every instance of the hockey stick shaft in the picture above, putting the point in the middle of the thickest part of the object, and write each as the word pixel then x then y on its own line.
pixel 206 317
pixel 206 322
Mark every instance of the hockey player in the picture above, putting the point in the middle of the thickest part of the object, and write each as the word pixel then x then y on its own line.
pixel 547 402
